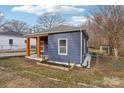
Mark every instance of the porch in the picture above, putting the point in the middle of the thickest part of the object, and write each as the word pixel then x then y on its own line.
pixel 34 57
pixel 41 47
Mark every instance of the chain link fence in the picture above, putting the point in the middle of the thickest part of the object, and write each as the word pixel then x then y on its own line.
pixel 15 47
pixel 5 47
pixel 105 62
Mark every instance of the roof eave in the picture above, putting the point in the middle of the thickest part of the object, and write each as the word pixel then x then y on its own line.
pixel 52 32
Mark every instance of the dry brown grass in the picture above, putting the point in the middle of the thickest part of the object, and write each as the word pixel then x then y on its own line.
pixel 21 72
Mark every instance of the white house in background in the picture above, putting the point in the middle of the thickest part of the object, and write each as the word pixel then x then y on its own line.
pixel 16 38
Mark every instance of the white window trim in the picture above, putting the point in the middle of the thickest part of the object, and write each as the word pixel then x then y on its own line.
pixel 66 46
pixel 43 47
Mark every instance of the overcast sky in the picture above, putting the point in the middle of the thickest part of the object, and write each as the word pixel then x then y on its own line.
pixel 30 13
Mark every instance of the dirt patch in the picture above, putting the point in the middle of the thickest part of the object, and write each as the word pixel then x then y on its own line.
pixel 2 68
pixel 20 82
pixel 113 82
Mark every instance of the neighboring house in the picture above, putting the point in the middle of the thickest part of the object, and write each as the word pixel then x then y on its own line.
pixel 13 40
pixel 61 44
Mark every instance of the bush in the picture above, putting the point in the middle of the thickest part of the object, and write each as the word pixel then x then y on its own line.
pixel 44 59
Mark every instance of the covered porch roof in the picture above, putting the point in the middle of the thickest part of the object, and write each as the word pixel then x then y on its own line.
pixel 34 35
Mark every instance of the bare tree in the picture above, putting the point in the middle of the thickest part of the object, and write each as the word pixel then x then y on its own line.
pixel 17 26
pixel 97 36
pixel 1 19
pixel 110 19
pixel 36 29
pixel 47 21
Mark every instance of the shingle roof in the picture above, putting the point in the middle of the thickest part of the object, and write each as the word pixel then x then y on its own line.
pixel 61 29
pixel 65 28
pixel 11 33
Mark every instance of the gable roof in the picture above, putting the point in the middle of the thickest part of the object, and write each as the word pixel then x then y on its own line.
pixel 60 29
pixel 11 33
pixel 64 28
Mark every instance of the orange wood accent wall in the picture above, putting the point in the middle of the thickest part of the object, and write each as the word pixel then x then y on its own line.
pixel 27 46
pixel 38 46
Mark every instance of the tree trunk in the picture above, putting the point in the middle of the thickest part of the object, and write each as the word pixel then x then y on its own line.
pixel 116 53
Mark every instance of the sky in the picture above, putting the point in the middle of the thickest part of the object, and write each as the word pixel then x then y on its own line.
pixel 74 14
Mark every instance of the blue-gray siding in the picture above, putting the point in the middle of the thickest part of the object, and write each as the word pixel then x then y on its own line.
pixel 73 47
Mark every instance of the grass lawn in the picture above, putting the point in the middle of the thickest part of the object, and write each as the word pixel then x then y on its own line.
pixel 21 72
pixel 97 51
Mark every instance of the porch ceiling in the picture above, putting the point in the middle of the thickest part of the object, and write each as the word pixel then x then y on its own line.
pixel 34 35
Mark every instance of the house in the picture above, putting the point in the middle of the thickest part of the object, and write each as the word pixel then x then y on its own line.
pixel 13 40
pixel 61 44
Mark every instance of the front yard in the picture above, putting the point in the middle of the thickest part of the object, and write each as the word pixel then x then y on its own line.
pixel 21 72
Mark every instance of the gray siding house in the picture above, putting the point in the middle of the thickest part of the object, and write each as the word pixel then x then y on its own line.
pixel 61 44
pixel 17 39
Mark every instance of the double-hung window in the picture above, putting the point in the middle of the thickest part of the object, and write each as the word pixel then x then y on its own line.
pixel 62 46
pixel 42 46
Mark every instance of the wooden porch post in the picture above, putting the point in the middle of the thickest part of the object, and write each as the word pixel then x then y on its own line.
pixel 27 46
pixel 38 46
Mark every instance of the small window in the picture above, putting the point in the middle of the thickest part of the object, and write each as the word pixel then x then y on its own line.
pixel 62 46
pixel 11 42
pixel 42 46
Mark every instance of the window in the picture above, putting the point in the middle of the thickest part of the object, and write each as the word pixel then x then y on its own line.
pixel 62 46
pixel 11 42
pixel 42 46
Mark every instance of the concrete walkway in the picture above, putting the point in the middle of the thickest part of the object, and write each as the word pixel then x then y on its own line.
pixel 12 54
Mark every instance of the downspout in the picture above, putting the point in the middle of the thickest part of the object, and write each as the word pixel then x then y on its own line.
pixel 84 46
pixel 81 47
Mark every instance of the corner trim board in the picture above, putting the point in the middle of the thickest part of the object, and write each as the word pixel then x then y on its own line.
pixel 81 47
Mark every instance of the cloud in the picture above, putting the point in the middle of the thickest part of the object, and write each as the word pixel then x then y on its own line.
pixel 65 9
pixel 77 20
pixel 29 9
pixel 40 10
pixel 1 14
